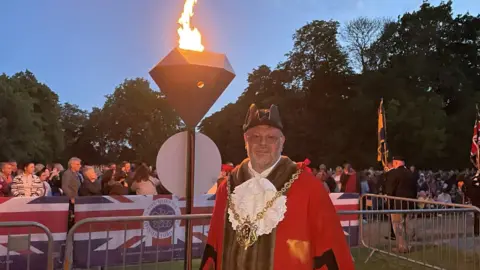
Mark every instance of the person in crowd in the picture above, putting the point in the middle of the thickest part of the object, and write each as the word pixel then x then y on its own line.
pixel 5 179
pixel 422 196
pixel 112 166
pixel 27 184
pixel 54 179
pixel 143 183
pixel 337 177
pixel 161 189
pixel 364 187
pixel 298 228
pixel 13 164
pixel 126 167
pixel 328 179
pixel 118 184
pixel 322 175
pixel 400 183
pixel 44 174
pixel 72 179
pixel 444 197
pixel 38 167
pixel 350 183
pixel 106 178
pixel 91 186
pixel 415 173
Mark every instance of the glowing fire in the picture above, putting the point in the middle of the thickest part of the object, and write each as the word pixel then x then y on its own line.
pixel 190 38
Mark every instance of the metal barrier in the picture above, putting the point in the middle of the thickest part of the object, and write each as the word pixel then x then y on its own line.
pixel 428 233
pixel 69 252
pixel 27 244
pixel 442 238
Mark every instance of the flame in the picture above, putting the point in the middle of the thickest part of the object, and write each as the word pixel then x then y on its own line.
pixel 190 38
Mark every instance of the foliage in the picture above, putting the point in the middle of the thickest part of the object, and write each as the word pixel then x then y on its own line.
pixel 133 123
pixel 424 65
pixel 30 127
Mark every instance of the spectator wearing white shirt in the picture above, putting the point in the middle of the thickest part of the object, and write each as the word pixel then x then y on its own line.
pixel 27 184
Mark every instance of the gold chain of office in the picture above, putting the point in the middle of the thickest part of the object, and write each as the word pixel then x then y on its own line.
pixel 246 228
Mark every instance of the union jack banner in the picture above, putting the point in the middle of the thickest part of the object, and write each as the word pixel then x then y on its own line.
pixel 348 202
pixel 26 247
pixel 475 141
pixel 132 243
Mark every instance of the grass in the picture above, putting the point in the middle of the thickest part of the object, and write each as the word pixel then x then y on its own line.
pixel 445 258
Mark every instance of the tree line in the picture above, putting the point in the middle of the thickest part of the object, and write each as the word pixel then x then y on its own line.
pixel 424 64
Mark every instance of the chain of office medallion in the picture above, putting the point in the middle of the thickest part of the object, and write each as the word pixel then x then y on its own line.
pixel 269 203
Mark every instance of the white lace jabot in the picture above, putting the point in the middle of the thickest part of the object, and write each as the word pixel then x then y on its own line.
pixel 252 196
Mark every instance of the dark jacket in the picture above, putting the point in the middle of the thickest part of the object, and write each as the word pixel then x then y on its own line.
pixel 89 188
pixel 401 183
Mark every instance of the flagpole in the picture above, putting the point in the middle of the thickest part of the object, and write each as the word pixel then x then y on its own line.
pixel 476 142
pixel 384 153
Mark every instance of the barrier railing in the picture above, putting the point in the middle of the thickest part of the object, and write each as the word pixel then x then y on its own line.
pixel 428 233
pixel 69 253
pixel 438 235
pixel 22 242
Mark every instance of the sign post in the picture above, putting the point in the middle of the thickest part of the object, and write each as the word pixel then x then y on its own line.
pixel 192 81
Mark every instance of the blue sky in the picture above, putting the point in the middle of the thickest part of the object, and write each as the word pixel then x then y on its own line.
pixel 83 49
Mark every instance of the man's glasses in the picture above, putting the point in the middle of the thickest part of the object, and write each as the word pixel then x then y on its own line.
pixel 257 139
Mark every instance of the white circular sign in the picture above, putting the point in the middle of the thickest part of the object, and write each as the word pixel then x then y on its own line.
pixel 172 164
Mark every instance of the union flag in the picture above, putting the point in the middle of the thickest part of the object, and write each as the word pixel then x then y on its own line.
pixel 475 141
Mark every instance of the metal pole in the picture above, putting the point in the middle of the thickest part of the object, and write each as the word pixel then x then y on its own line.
pixel 190 175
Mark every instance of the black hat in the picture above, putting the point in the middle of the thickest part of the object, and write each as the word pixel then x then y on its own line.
pixel 256 117
pixel 399 158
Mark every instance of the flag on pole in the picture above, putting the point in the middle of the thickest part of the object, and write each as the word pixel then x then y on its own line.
pixel 382 150
pixel 474 156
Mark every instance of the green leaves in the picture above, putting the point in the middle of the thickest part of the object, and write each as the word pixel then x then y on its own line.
pixel 425 66
pixel 29 113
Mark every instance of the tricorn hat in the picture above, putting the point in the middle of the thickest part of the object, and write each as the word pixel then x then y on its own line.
pixel 256 117
pixel 399 158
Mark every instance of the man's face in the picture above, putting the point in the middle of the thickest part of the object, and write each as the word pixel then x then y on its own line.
pixel 91 175
pixel 75 165
pixel 29 168
pixel 7 169
pixel 264 145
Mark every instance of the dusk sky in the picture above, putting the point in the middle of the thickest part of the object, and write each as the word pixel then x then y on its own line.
pixel 83 49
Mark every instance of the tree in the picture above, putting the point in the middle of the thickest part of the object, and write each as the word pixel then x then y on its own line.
pixel 315 50
pixel 133 123
pixel 74 125
pixel 43 113
pixel 46 112
pixel 416 129
pixel 360 34
pixel 18 136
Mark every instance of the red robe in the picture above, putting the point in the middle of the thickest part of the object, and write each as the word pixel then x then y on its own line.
pixel 309 237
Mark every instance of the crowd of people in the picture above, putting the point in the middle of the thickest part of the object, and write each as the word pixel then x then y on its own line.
pixel 36 180
pixel 440 186
pixel 32 180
